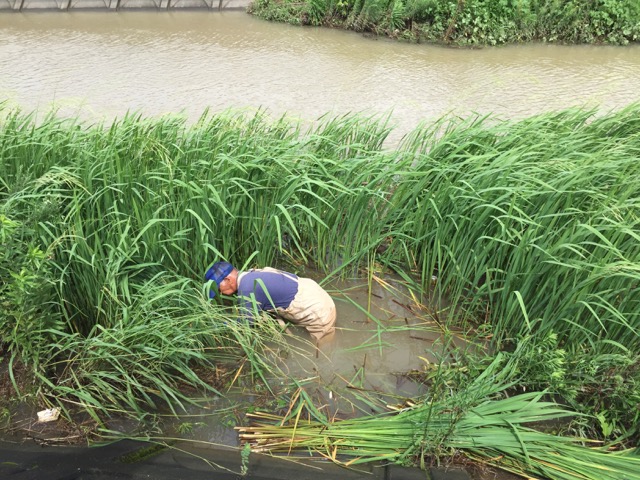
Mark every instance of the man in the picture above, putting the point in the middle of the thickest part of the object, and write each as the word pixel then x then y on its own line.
pixel 296 299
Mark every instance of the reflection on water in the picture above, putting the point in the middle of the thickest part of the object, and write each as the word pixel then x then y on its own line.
pixel 103 64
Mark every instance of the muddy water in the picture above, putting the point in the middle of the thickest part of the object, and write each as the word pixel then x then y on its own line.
pixel 381 334
pixel 103 64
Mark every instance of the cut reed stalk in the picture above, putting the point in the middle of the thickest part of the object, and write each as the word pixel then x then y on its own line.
pixel 490 432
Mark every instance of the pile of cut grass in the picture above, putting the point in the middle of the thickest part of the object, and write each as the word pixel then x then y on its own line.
pixel 479 422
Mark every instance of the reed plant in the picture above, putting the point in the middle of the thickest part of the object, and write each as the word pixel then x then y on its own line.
pixel 530 227
pixel 478 422
pixel 493 432
pixel 529 216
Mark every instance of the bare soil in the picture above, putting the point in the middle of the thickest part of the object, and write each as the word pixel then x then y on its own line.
pixel 20 403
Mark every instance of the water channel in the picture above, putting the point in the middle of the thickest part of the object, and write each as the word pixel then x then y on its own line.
pixel 101 65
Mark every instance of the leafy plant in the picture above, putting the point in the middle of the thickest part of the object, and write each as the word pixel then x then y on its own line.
pixel 244 457
pixel 471 22
pixel 26 289
pixel 397 16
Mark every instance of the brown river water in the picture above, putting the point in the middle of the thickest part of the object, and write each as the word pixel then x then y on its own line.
pixel 101 65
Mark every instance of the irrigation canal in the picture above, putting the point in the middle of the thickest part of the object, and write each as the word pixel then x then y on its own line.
pixel 99 64
pixel 158 60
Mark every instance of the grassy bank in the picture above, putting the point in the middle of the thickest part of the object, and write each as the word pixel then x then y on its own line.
pixel 468 22
pixel 531 227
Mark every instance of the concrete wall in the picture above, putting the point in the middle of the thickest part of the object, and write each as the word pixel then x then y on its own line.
pixel 22 5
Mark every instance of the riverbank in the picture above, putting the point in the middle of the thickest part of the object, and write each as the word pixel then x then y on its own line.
pixel 470 23
pixel 467 23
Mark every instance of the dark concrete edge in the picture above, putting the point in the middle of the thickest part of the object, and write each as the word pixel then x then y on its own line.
pixel 127 460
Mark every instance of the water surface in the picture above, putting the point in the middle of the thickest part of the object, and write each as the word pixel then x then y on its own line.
pixel 103 64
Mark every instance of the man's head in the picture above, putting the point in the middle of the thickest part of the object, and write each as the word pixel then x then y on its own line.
pixel 226 277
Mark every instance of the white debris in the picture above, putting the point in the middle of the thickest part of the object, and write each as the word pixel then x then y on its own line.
pixel 49 415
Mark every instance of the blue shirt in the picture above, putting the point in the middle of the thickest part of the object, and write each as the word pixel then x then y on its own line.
pixel 270 290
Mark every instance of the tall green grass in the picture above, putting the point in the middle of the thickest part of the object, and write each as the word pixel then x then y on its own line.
pixel 539 218
pixel 531 228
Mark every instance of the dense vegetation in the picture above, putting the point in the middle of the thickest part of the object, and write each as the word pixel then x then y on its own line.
pixel 532 228
pixel 468 22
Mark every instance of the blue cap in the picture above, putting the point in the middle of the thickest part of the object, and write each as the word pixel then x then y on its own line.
pixel 218 272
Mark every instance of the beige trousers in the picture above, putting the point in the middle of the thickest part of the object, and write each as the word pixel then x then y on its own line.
pixel 312 308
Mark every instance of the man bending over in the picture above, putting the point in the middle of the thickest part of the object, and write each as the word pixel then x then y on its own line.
pixel 297 299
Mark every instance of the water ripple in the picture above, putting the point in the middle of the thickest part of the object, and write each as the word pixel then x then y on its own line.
pixel 105 64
